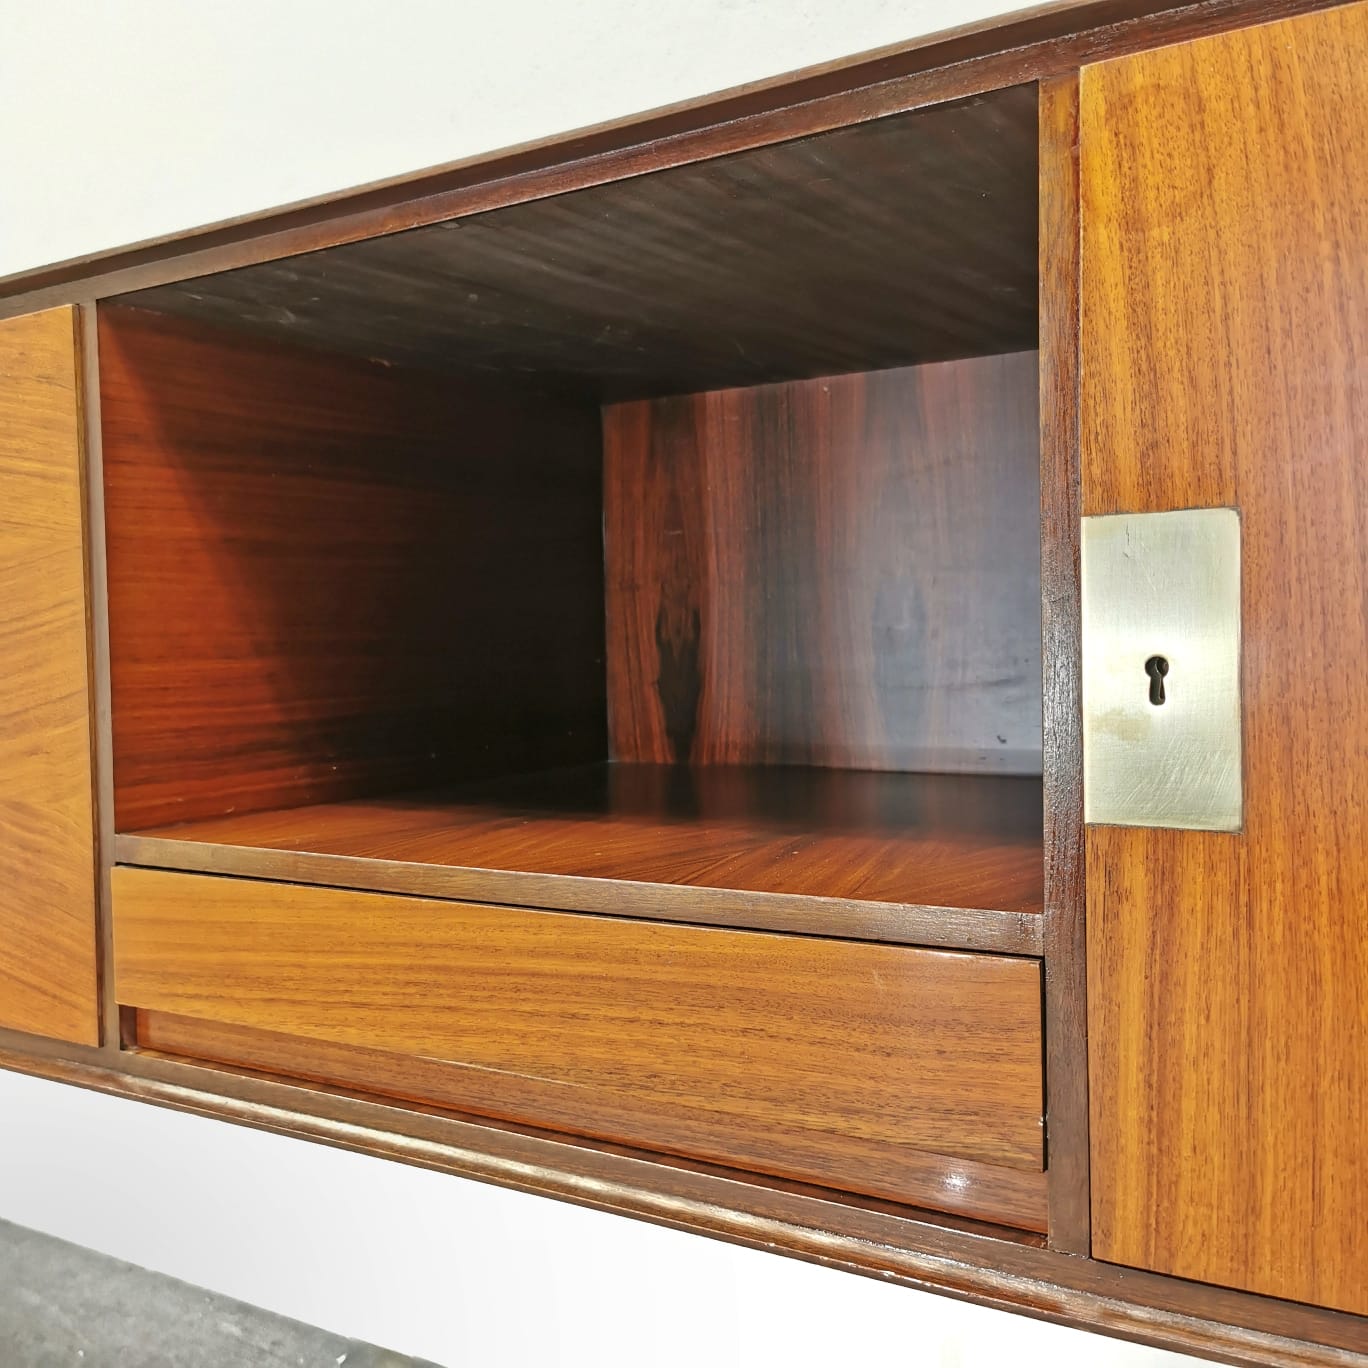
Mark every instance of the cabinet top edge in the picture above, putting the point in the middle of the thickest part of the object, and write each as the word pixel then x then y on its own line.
pixel 1020 47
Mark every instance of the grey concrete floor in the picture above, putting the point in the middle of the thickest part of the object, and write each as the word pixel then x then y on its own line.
pixel 62 1306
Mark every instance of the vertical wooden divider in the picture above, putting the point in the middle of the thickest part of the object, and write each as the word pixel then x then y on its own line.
pixel 97 614
pixel 1066 1033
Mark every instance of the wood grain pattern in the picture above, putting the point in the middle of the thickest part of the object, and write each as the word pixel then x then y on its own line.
pixel 48 982
pixel 835 572
pixel 1066 965
pixel 1225 325
pixel 292 544
pixel 886 243
pixel 835 1062
pixel 924 859
pixel 964 1187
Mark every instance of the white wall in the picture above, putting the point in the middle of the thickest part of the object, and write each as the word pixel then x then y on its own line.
pixel 126 119
pixel 121 121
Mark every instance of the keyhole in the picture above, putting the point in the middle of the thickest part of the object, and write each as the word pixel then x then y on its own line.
pixel 1156 667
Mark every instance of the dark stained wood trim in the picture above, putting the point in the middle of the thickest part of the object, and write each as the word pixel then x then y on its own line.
pixel 1050 40
pixel 1066 965
pixel 1005 933
pixel 961 1259
pixel 97 618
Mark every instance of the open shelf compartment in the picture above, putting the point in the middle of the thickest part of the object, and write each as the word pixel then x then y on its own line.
pixel 668 548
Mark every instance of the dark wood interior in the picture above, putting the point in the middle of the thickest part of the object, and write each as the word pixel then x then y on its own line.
pixel 905 239
pixel 329 577
pixel 842 571
pixel 421 571
pixel 370 584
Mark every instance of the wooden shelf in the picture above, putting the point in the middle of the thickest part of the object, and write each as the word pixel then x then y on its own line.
pixel 952 860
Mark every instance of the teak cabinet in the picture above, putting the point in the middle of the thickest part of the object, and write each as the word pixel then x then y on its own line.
pixel 579 669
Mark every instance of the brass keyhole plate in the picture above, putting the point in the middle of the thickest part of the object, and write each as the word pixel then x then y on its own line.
pixel 1161 670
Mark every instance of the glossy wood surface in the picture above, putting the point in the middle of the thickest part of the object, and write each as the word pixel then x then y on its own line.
pixel 835 1062
pixel 930 859
pixel 293 544
pixel 889 242
pixel 48 977
pixel 842 571
pixel 1225 330
pixel 1066 1027
pixel 965 1187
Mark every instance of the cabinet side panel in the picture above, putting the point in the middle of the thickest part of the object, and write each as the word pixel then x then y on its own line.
pixel 1225 362
pixel 48 983
pixel 843 571
pixel 328 577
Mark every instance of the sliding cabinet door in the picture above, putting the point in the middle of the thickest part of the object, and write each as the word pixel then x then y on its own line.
pixel 1224 344
pixel 47 840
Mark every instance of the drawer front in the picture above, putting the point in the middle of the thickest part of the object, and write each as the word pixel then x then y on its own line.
pixel 904 1073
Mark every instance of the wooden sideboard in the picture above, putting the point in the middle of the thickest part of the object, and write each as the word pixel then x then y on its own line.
pixel 570 669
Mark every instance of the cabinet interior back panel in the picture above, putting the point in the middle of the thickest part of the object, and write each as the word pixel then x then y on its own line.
pixel 843 571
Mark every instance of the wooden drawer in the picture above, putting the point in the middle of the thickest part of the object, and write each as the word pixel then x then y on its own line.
pixel 891 1071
